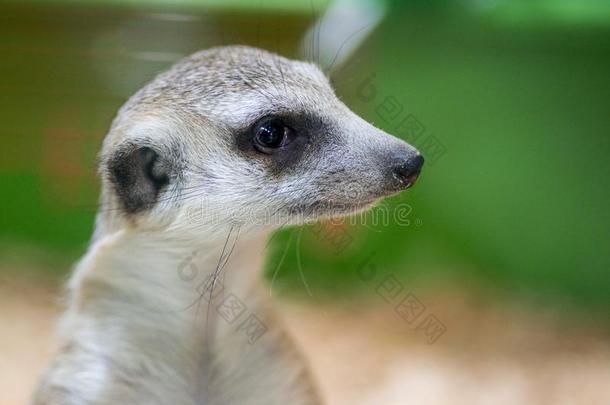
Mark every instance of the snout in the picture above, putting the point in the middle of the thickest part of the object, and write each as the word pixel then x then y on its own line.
pixel 405 170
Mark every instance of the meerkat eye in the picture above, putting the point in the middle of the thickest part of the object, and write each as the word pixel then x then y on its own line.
pixel 271 135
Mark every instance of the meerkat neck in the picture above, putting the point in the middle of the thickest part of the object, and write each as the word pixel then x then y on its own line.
pixel 167 271
pixel 138 302
pixel 165 281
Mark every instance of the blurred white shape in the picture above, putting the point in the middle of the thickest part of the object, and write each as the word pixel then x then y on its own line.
pixel 341 30
pixel 127 53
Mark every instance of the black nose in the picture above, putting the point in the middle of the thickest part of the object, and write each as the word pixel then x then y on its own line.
pixel 407 170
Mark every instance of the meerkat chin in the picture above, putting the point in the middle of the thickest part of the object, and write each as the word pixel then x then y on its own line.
pixel 247 141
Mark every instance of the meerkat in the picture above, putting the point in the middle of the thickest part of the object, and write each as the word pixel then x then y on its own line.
pixel 250 141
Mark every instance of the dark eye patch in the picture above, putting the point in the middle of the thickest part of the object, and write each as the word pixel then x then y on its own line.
pixel 308 131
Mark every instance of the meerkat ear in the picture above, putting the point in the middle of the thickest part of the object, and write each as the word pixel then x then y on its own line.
pixel 138 175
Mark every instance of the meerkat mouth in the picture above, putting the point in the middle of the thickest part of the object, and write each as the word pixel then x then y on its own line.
pixel 332 209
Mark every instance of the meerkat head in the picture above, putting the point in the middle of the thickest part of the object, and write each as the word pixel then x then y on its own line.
pixel 238 135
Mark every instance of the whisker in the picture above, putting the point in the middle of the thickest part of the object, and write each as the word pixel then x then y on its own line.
pixel 279 265
pixel 329 68
pixel 298 252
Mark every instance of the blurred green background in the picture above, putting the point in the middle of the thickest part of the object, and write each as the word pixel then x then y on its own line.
pixel 509 100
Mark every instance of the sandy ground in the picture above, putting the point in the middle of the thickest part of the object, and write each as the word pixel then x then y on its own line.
pixel 372 356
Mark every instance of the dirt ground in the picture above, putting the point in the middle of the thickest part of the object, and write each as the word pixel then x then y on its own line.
pixel 371 356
